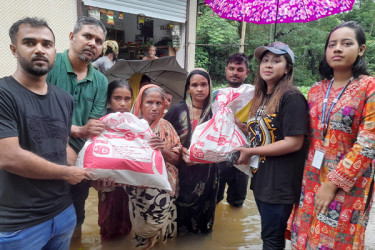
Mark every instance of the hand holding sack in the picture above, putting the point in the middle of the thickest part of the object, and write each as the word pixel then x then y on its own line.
pixel 122 152
pixel 215 139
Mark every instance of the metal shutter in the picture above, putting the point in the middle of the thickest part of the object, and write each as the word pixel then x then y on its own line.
pixel 172 10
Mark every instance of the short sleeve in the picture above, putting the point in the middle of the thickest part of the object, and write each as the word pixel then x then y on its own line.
pixel 71 106
pixel 99 107
pixel 294 114
pixel 8 120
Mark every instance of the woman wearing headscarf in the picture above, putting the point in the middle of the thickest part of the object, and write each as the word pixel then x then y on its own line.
pixel 152 210
pixel 109 58
pixel 198 183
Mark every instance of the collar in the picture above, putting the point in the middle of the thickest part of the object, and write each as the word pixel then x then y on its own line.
pixel 69 68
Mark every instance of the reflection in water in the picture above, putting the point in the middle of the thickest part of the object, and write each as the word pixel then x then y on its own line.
pixel 234 228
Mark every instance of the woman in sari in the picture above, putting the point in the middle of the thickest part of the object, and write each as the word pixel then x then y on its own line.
pixel 198 183
pixel 152 210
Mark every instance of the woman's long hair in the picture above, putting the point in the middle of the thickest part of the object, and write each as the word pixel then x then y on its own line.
pixel 260 97
pixel 359 66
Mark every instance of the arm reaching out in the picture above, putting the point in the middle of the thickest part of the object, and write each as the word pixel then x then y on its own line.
pixel 21 162
pixel 92 128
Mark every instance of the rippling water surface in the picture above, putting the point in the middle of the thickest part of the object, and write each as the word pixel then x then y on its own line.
pixel 234 228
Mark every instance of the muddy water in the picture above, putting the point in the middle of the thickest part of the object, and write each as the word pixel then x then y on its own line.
pixel 235 228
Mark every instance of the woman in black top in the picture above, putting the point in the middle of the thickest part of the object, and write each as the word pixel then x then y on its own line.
pixel 277 127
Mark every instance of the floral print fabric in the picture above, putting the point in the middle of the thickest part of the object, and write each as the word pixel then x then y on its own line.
pixel 288 11
pixel 349 150
pixel 153 211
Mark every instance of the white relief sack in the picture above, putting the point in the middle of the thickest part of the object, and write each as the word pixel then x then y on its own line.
pixel 213 140
pixel 122 152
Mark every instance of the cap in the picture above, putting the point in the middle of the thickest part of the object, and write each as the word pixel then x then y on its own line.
pixel 277 48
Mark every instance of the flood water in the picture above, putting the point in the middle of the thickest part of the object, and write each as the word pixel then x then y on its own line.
pixel 234 228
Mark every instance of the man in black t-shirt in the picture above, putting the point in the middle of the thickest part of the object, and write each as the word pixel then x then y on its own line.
pixel 36 210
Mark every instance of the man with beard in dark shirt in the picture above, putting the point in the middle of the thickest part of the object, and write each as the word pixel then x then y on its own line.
pixel 36 210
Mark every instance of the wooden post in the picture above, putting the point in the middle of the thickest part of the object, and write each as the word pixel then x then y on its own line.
pixel 243 33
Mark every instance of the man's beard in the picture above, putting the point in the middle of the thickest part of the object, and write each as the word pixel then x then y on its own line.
pixel 32 69
pixel 235 84
pixel 85 58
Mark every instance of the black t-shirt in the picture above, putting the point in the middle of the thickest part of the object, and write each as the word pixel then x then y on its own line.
pixel 278 179
pixel 42 124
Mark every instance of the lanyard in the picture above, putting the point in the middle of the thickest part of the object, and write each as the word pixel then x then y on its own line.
pixel 324 118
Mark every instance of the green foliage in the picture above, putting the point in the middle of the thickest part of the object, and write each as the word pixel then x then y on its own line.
pixel 370 56
pixel 219 86
pixel 212 33
pixel 307 40
pixel 304 90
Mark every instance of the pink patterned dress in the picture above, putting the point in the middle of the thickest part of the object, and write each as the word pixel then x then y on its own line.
pixel 349 151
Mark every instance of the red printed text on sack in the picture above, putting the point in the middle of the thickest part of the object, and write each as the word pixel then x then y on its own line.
pixel 103 150
pixel 198 153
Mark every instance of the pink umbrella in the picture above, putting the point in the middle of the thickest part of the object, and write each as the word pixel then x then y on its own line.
pixel 286 11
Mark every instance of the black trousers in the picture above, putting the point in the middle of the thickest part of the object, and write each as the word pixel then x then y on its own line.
pixel 237 184
pixel 79 193
pixel 274 218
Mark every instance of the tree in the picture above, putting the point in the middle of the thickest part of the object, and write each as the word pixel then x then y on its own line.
pixel 307 40
pixel 216 39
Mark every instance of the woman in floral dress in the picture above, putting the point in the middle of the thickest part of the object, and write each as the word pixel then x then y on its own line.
pixel 337 187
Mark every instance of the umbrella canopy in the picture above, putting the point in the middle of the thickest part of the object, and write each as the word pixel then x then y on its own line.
pixel 286 11
pixel 165 72
pixel 278 11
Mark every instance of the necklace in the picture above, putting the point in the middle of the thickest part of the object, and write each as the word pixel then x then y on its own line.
pixel 196 107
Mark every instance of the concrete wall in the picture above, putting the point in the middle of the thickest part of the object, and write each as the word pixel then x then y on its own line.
pixel 159 33
pixel 191 35
pixel 60 15
pixel 130 27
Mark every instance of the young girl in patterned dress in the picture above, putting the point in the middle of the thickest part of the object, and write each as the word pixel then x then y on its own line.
pixel 113 205
pixel 337 186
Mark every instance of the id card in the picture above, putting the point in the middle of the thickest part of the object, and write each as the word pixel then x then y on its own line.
pixel 254 161
pixel 318 158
